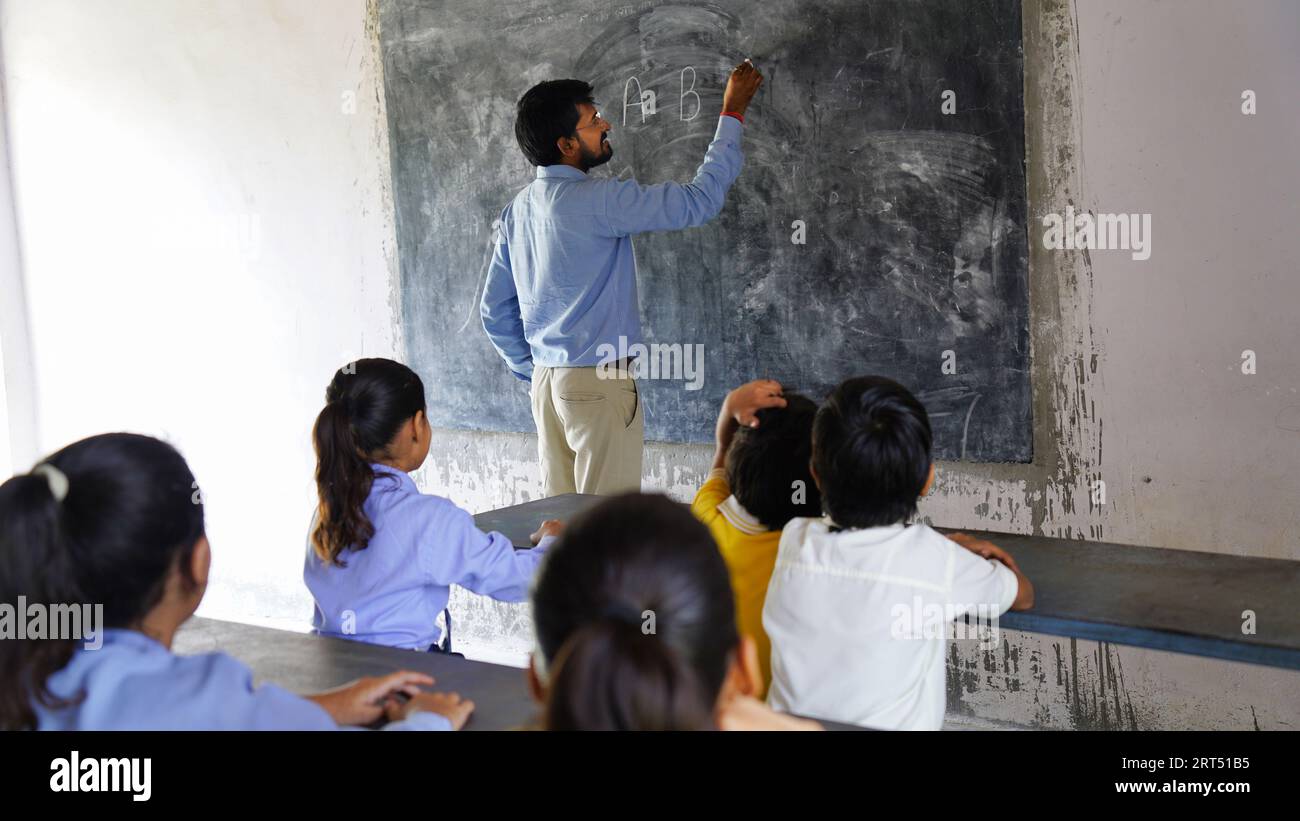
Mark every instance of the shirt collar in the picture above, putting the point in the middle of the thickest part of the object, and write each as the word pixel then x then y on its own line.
pixel 734 512
pixel 131 638
pixel 835 530
pixel 404 479
pixel 564 172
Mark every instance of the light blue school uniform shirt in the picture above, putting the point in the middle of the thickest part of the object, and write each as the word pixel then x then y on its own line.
pixel 562 281
pixel 133 682
pixel 391 592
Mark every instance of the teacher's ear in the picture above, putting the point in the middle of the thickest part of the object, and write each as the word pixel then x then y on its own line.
pixel 569 147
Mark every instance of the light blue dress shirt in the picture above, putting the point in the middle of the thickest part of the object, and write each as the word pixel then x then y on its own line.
pixel 391 592
pixel 563 276
pixel 132 682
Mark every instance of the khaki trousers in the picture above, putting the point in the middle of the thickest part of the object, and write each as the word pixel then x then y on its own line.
pixel 590 430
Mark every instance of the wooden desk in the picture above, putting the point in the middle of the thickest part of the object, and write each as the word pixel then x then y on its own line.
pixel 518 522
pixel 305 663
pixel 1175 600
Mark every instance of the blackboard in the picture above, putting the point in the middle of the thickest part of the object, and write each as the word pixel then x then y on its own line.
pixel 913 218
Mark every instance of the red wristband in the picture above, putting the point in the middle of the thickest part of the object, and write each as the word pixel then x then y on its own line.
pixel 740 117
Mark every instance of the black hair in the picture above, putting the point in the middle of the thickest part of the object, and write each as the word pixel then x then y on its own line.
pixel 547 112
pixel 132 512
pixel 635 619
pixel 871 451
pixel 366 404
pixel 763 463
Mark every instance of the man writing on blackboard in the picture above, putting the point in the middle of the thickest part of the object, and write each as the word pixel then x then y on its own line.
pixel 562 282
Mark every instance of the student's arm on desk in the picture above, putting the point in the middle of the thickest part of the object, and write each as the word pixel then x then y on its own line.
pixel 459 553
pixel 369 699
pixel 547 532
pixel 988 550
pixel 449 706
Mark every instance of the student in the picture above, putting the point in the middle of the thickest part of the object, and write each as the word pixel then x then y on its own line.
pixel 115 520
pixel 850 588
pixel 759 481
pixel 636 629
pixel 382 556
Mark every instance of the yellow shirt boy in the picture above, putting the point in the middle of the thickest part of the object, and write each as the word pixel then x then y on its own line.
pixel 749 550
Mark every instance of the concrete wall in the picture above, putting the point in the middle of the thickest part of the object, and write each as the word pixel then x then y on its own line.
pixel 124 117
pixel 200 190
pixel 18 385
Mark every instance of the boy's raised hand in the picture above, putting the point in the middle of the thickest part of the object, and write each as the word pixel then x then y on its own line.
pixel 740 408
pixel 744 403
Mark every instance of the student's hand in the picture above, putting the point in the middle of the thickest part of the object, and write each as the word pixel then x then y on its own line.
pixel 748 713
pixel 984 549
pixel 739 408
pixel 550 527
pixel 362 701
pixel 745 402
pixel 741 86
pixel 448 705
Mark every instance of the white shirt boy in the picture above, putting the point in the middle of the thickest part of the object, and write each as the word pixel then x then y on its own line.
pixel 859 620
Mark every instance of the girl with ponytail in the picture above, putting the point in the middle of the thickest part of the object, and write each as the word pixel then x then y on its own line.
pixel 116 521
pixel 383 556
pixel 636 627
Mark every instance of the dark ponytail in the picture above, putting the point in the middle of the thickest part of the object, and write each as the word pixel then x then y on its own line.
pixel 366 404
pixel 635 619
pixel 611 676
pixel 130 511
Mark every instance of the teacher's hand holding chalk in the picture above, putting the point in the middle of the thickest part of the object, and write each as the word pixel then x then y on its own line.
pixel 741 87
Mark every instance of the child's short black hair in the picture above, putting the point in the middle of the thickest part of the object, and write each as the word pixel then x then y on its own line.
pixel 547 112
pixel 871 451
pixel 763 464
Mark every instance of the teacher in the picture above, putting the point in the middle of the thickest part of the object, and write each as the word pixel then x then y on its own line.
pixel 562 281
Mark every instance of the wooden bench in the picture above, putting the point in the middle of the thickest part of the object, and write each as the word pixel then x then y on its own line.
pixel 1180 601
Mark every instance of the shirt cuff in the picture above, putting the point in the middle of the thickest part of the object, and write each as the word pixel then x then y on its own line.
pixel 735 114
pixel 546 542
pixel 729 128
pixel 421 720
pixel 716 473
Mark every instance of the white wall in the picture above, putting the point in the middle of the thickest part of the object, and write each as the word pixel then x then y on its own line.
pixel 1201 455
pixel 133 122
pixel 206 240
pixel 18 383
